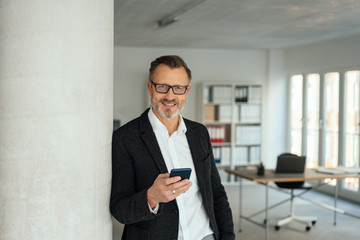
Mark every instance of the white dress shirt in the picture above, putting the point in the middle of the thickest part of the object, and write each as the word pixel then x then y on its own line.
pixel 194 223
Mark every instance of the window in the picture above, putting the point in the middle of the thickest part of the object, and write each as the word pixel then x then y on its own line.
pixel 352 126
pixel 325 122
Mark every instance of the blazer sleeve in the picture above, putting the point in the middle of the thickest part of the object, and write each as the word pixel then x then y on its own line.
pixel 223 214
pixel 127 204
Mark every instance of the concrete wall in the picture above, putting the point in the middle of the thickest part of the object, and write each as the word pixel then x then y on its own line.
pixel 56 106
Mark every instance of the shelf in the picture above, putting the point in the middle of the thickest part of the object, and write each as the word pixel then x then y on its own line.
pixel 248 123
pixel 248 145
pixel 217 123
pixel 232 113
pixel 224 144
pixel 248 103
pixel 218 103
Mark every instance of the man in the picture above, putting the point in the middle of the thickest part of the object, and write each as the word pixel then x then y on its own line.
pixel 143 196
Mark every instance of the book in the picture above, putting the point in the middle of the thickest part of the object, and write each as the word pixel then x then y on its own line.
pixel 248 135
pixel 217 134
pixel 209 113
pixel 254 94
pixel 241 93
pixel 225 155
pixel 220 94
pixel 225 113
pixel 241 156
pixel 250 113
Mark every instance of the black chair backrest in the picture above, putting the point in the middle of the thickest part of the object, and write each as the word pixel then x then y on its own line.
pixel 289 184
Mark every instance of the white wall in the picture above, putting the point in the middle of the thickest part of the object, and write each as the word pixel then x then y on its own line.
pixel 327 55
pixel 274 121
pixel 259 66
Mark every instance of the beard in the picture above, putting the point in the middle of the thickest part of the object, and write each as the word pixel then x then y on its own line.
pixel 167 113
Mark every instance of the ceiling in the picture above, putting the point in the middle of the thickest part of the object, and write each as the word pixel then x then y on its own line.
pixel 234 24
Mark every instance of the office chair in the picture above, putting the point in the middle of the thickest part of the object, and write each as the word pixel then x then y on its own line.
pixel 309 221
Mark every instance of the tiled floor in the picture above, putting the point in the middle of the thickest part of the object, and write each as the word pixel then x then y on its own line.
pixel 347 228
pixel 254 200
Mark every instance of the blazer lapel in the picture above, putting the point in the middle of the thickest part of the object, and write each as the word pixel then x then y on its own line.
pixel 149 138
pixel 198 155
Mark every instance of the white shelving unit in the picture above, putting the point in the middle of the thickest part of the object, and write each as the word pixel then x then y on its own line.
pixel 232 113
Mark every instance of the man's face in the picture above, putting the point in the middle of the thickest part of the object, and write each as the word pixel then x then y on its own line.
pixel 168 105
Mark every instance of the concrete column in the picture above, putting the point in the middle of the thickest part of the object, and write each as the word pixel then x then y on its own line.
pixel 56 106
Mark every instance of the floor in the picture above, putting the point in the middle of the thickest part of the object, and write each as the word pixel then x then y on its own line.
pixel 254 200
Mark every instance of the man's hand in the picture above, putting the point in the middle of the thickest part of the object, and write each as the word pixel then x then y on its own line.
pixel 162 189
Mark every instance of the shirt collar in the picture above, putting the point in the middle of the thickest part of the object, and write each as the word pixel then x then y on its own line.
pixel 157 124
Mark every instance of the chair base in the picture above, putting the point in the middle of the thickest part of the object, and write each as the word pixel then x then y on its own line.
pixel 309 221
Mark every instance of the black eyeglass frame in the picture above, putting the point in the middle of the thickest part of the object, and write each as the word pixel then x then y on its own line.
pixel 168 86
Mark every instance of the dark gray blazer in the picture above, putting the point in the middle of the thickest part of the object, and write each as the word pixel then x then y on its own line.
pixel 136 163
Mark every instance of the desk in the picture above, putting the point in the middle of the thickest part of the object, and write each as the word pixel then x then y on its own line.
pixel 270 176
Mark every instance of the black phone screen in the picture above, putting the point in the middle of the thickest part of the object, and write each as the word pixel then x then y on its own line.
pixel 182 172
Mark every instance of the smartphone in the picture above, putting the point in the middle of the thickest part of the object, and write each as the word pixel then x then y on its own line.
pixel 182 172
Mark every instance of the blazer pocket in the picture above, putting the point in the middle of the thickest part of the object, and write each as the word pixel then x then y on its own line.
pixel 206 157
pixel 206 164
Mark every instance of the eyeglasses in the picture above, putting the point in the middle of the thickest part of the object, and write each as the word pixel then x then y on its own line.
pixel 163 88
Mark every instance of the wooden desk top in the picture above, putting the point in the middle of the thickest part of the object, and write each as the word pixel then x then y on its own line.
pixel 270 176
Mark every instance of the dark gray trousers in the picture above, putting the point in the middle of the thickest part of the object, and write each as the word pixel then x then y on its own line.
pixel 209 237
